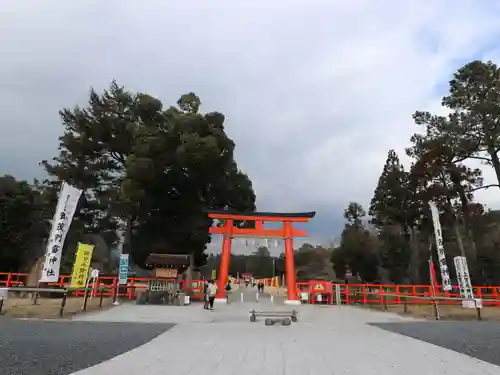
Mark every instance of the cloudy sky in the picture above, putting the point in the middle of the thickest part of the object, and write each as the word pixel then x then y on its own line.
pixel 315 91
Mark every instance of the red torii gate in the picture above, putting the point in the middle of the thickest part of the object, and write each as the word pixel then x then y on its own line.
pixel 287 232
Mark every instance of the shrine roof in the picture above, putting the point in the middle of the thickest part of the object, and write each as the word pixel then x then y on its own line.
pixel 162 260
pixel 308 215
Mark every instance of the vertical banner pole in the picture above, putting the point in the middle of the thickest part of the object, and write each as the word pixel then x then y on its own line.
pixel 445 276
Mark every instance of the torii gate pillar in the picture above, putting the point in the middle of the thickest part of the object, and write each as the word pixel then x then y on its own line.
pixel 228 230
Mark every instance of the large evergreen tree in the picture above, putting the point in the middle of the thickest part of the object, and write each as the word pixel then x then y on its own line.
pixel 148 170
pixel 392 209
pixel 474 98
pixel 358 251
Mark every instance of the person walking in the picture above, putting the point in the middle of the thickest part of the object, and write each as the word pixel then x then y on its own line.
pixel 261 287
pixel 205 295
pixel 211 292
pixel 228 290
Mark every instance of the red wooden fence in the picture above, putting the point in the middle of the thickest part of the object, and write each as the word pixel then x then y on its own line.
pixel 350 293
pixel 395 294
pixel 109 283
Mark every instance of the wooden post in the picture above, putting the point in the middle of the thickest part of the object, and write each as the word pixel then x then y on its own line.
pixel 63 303
pixel 436 309
pixel 85 299
pixel 115 290
pixel 1 305
pixel 384 297
pixel 35 296
pixel 101 297
pixel 405 305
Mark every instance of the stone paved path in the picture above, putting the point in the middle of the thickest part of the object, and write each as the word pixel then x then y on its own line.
pixel 326 340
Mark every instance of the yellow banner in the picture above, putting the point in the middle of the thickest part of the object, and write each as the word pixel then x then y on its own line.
pixel 82 265
pixel 214 274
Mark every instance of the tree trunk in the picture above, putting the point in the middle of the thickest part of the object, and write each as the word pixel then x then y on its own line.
pixel 456 228
pixel 36 251
pixel 472 251
pixel 460 243
pixel 34 273
pixel 127 235
pixel 189 270
pixel 413 267
pixel 495 161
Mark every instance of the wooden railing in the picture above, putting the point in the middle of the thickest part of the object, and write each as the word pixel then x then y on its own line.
pixel 108 283
pixel 349 293
pixel 374 293
pixel 394 294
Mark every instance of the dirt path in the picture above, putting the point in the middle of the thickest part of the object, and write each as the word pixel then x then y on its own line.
pixel 45 308
pixel 446 312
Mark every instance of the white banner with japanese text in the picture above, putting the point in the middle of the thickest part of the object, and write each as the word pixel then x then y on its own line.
pixel 443 266
pixel 65 210
pixel 465 284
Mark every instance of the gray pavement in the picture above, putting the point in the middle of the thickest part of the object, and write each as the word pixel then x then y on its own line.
pixel 476 339
pixel 37 347
pixel 326 340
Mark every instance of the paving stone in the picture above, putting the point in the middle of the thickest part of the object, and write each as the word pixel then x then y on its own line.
pixel 326 340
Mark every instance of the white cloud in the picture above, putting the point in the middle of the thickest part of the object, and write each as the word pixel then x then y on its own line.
pixel 315 92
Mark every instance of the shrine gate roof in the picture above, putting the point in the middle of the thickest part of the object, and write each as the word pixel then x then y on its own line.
pixel 308 215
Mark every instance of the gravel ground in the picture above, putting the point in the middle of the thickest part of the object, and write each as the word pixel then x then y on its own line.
pixel 30 347
pixel 476 339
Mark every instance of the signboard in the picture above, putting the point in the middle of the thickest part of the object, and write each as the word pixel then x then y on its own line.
pixel 92 280
pixel 65 209
pixel 465 284
pixel 94 273
pixel 445 275
pixel 319 287
pixel 165 272
pixel 123 270
pixel 81 266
